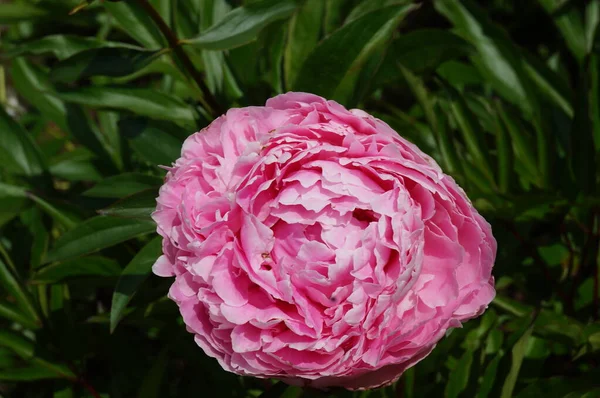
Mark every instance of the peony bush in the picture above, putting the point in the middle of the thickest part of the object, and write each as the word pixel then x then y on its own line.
pixel 314 244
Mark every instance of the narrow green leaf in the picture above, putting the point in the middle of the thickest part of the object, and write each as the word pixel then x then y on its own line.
pixel 11 13
pixel 113 62
pixel 583 155
pixel 132 277
pixel 592 21
pixel 423 50
pixel 150 141
pixel 123 185
pixel 569 23
pixel 489 377
pixel 459 377
pixel 242 25
pixel 303 36
pixel 62 46
pixel 142 101
pixel 18 151
pixel 95 234
pixel 88 266
pixel 504 152
pixel 30 373
pixel 13 313
pixel 139 206
pixel 65 219
pixel 134 20
pixel 518 353
pixel 524 148
pixel 33 220
pixel 17 291
pixel 150 387
pixel 552 85
pixel 344 50
pixel 33 84
pixel 498 59
pixel 471 131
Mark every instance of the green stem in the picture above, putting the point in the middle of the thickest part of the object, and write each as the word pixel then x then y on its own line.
pixel 208 101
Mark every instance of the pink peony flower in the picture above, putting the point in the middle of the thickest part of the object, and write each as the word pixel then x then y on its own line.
pixel 314 244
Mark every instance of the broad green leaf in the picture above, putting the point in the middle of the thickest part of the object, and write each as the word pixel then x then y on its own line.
pixel 76 165
pixel 89 266
pixel 346 49
pixel 303 36
pixel 497 58
pixel 570 25
pixel 460 74
pixel 17 291
pixel 62 46
pixel 150 141
pixel 18 151
pixel 517 355
pixel 113 62
pixel 95 234
pixel 132 277
pixel 11 13
pixel 136 22
pixel 150 387
pixel 123 185
pixel 459 377
pixel 243 24
pixel 142 101
pixel 139 206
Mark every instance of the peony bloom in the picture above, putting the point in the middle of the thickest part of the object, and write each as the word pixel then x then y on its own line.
pixel 314 244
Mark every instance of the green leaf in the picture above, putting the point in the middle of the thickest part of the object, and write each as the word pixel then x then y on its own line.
pixel 139 206
pixel 89 266
pixel 551 85
pixel 95 234
pixel 18 151
pixel 459 377
pixel 489 377
pixel 132 277
pixel 62 46
pixel 136 22
pixel 342 53
pixel 123 185
pixel 517 355
pixel 75 165
pixel 26 349
pixel 33 219
pixel 522 142
pixel 583 155
pixel 113 62
pixel 424 50
pixel 142 101
pixel 472 133
pixel 33 84
pixel 11 13
pixel 150 387
pixel 17 291
pixel 150 141
pixel 13 313
pixel 242 25
pixel 498 59
pixel 569 23
pixel 30 373
pixel 303 36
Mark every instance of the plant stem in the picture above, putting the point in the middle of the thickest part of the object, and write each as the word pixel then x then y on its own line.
pixel 208 101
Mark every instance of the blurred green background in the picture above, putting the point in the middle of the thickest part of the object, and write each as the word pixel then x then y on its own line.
pixel 503 94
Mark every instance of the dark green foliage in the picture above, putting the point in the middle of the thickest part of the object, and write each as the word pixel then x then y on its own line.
pixel 505 95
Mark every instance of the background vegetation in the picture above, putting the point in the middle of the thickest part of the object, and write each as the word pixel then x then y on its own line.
pixel 503 94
